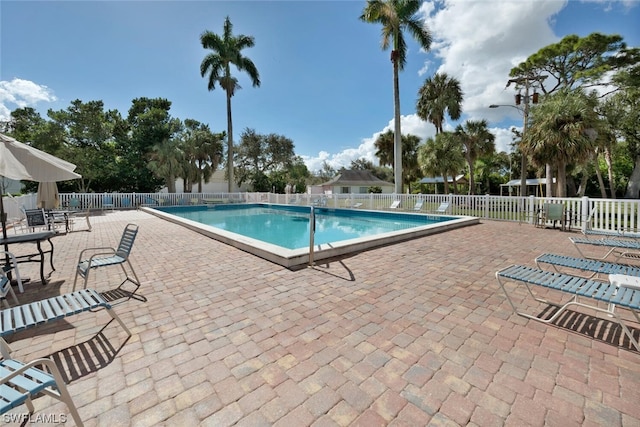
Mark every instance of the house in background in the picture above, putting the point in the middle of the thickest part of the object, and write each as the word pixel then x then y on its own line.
pixel 352 182
pixel 438 181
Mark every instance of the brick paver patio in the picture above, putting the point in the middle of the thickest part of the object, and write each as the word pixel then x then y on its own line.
pixel 412 334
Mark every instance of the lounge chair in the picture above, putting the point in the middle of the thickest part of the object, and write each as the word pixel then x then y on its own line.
pixel 356 205
pixel 108 256
pixel 418 205
pixel 395 204
pixel 442 209
pixel 587 265
pixel 21 382
pixel 620 248
pixel 49 310
pixel 614 293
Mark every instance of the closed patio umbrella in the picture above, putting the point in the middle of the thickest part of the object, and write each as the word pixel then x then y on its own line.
pixel 48 197
pixel 22 162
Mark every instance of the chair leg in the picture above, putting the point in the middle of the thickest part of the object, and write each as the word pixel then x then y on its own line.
pixel 62 392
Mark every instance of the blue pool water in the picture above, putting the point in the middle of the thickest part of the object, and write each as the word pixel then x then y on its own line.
pixel 288 226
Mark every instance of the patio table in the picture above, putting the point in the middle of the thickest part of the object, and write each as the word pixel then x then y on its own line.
pixel 39 257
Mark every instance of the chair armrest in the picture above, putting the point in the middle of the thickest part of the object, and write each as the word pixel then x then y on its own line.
pixel 45 363
pixel 110 249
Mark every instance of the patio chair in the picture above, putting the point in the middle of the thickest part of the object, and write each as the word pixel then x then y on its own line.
pixel 78 215
pixel 74 203
pixel 395 204
pixel 36 219
pixel 21 382
pixel 442 209
pixel 5 282
pixel 107 202
pixel 552 212
pixel 418 205
pixel 108 256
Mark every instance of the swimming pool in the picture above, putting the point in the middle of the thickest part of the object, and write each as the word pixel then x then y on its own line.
pixel 280 233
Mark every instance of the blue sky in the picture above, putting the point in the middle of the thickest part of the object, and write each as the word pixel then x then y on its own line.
pixel 326 84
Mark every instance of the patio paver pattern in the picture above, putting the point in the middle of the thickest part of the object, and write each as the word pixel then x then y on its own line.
pixel 416 333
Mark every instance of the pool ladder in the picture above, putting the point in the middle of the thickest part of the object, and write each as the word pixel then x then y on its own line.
pixel 312 232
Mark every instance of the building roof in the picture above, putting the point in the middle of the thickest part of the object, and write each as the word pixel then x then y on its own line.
pixel 530 181
pixel 439 180
pixel 356 178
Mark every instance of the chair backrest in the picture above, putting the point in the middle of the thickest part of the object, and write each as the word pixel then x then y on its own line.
pixel 35 217
pixel 395 204
pixel 126 241
pixel 74 203
pixel 444 207
pixel 418 205
pixel 553 211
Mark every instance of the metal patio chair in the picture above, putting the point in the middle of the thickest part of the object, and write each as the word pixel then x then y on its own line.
pixel 108 256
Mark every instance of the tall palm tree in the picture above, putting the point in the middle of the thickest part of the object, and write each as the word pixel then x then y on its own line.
pixel 395 17
pixel 439 94
pixel 227 51
pixel 166 162
pixel 563 129
pixel 477 141
pixel 441 156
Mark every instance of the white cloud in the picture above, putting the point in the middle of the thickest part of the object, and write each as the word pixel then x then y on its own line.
pixel 410 124
pixel 477 42
pixel 19 93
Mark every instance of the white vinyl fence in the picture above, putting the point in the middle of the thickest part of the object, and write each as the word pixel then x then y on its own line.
pixel 602 214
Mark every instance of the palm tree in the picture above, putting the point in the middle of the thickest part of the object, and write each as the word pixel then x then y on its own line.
pixel 166 162
pixel 563 129
pixel 395 17
pixel 441 156
pixel 384 148
pixel 477 141
pixel 439 94
pixel 227 51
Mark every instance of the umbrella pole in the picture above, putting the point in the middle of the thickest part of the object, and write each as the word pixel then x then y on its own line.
pixel 4 232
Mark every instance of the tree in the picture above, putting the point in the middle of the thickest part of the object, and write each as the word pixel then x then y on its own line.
pixel 441 156
pixel 362 164
pixel 576 62
pixel 438 95
pixel 563 129
pixel 384 145
pixel 89 133
pixel 151 125
pixel 166 162
pixel 396 16
pixel 384 148
pixel 477 141
pixel 202 151
pixel 259 155
pixel 227 51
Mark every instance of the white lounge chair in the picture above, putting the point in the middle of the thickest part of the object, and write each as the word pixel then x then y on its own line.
pixel 443 208
pixel 395 204
pixel 418 205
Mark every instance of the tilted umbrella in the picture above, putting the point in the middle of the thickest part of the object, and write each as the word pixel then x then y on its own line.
pixel 22 162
